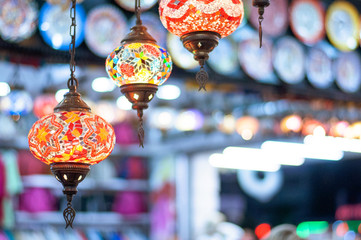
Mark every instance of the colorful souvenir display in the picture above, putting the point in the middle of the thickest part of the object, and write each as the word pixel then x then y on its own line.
pixel 224 58
pixel 180 56
pixel 139 63
pixel 154 26
pixel 343 25
pixel 307 20
pixel 186 16
pixel 80 137
pixel 105 25
pixel 256 61
pixel 129 5
pixel 289 60
pixel 18 19
pixel 275 18
pixel 54 25
pixel 319 68
pixel 348 73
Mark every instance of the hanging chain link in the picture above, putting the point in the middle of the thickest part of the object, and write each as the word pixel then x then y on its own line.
pixel 137 12
pixel 72 82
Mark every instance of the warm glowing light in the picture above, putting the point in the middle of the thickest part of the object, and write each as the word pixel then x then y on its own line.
pixel 321 152
pixel 228 124
pixel 247 127
pixel 163 118
pixel 168 92
pixel 4 89
pixel 253 161
pixel 263 230
pixel 339 129
pixel 190 120
pixel 310 125
pixel 341 229
pixel 291 123
pixel 44 105
pixel 103 84
pixel 319 131
pixel 123 103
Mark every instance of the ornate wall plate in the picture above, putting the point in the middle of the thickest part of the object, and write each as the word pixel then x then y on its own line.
pixel 154 27
pixel 343 25
pixel 129 5
pixel 106 26
pixel 180 56
pixel 223 58
pixel 307 20
pixel 54 26
pixel 289 60
pixel 256 61
pixel 275 21
pixel 319 68
pixel 18 19
pixel 348 72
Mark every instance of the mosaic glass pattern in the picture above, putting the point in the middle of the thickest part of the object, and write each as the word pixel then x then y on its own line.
pixel 80 137
pixel 185 16
pixel 139 63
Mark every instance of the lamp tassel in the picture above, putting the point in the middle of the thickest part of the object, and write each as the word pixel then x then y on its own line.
pixel 202 78
pixel 141 129
pixel 69 213
pixel 260 20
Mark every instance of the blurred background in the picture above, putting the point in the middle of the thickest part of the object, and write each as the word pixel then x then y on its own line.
pixel 275 139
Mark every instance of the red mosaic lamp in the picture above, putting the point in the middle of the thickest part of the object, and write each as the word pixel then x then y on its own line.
pixel 72 138
pixel 138 66
pixel 201 24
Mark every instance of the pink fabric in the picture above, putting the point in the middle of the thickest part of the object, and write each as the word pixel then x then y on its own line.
pixel 129 203
pixel 2 188
pixel 29 165
pixel 37 200
pixel 125 134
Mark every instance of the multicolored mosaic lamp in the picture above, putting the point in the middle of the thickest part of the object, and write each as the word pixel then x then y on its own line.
pixel 201 24
pixel 72 138
pixel 138 66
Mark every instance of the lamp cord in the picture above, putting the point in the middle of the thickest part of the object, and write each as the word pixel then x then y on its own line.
pixel 137 12
pixel 72 82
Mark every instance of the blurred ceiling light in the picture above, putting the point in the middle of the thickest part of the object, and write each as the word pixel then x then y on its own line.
pixel 320 151
pixel 103 84
pixel 339 143
pixel 168 92
pixel 123 103
pixel 4 89
pixel 254 161
pixel 163 118
pixel 59 95
pixel 247 127
pixel 291 123
pixel 270 155
pixel 228 124
pixel 310 125
pixel 189 120
pixel 339 128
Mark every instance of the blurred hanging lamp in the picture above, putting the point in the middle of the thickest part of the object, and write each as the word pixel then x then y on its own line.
pixel 201 24
pixel 138 66
pixel 72 138
pixel 261 5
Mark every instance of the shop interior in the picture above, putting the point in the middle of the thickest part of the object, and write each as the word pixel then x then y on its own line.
pixel 272 138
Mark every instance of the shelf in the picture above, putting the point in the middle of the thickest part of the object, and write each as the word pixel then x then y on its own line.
pixel 88 219
pixel 89 184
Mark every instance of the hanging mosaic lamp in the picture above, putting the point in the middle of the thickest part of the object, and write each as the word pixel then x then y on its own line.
pixel 72 138
pixel 261 5
pixel 201 24
pixel 138 66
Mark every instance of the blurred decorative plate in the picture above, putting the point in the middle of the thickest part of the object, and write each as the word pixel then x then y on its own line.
pixel 129 5
pixel 348 73
pixel 275 18
pixel 289 60
pixel 256 61
pixel 54 25
pixel 319 68
pixel 17 19
pixel 106 26
pixel 180 56
pixel 307 20
pixel 343 25
pixel 223 58
pixel 154 26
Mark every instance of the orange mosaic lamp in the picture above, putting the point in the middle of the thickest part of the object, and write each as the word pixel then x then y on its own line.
pixel 201 24
pixel 72 138
pixel 138 66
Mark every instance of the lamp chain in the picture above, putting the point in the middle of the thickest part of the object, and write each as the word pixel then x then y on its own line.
pixel 260 20
pixel 72 82
pixel 137 12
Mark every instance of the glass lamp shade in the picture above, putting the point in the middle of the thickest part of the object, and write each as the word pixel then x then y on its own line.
pixel 185 16
pixel 44 104
pixel 71 137
pixel 143 63
pixel 17 102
